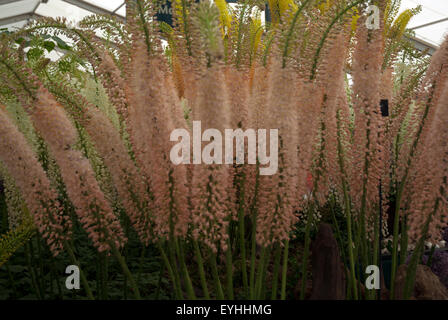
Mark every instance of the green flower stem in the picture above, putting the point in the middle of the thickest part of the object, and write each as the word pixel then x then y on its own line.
pixel 11 280
pixel 218 287
pixel 404 240
pixel 140 264
pixel 187 279
pixel 262 295
pixel 371 294
pixel 416 256
pixel 306 252
pixel 229 270
pixel 84 281
pixel 172 274
pixel 400 192
pixel 254 236
pixel 277 256
pixel 241 229
pixel 291 30
pixel 260 270
pixel 32 271
pixel 186 28
pixel 41 267
pixel 253 258
pixel 327 32
pixel 348 210
pixel 200 263
pixel 350 243
pixel 159 282
pixel 284 270
pixel 126 271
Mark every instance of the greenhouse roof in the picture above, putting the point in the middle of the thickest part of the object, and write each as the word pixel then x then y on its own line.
pixel 430 25
pixel 16 13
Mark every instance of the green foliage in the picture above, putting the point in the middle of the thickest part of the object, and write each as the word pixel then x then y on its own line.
pixel 15 239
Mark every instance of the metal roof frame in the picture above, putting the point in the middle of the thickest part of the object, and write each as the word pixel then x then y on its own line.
pixel 420 44
pixel 96 9
pixel 78 3
pixel 429 24
pixel 20 17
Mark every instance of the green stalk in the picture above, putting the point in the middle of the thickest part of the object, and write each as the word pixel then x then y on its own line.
pixel 104 276
pixel 306 252
pixel 262 295
pixel 240 35
pixel 284 270
pixel 58 285
pixel 348 214
pixel 173 275
pixel 260 274
pixel 159 282
pixel 291 30
pixel 200 262
pixel 430 256
pixel 327 32
pixel 171 252
pixel 400 192
pixel 126 271
pixel 337 229
pixel 41 267
pixel 186 29
pixel 376 252
pixel 404 240
pixel 229 270
pixel 241 230
pixel 277 256
pixel 339 239
pixel 32 271
pixel 84 281
pixel 188 283
pixel 350 244
pixel 173 261
pixel 253 236
pixel 416 256
pixel 140 264
pixel 218 287
pixel 11 281
pixel 253 258
pixel 144 26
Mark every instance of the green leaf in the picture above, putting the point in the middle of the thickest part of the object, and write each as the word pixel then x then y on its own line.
pixel 14 239
pixel 20 40
pixel 61 43
pixel 34 53
pixel 49 45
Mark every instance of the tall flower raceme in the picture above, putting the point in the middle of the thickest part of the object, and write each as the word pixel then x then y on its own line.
pixel 212 185
pixel 278 194
pixel 94 212
pixel 332 81
pixel 293 81
pixel 150 123
pixel 41 199
pixel 125 175
pixel 367 63
pixel 426 192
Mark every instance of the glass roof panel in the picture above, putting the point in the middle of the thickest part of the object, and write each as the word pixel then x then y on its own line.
pixel 17 8
pixel 432 10
pixel 15 25
pixel 109 5
pixel 122 11
pixel 59 8
pixel 435 33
